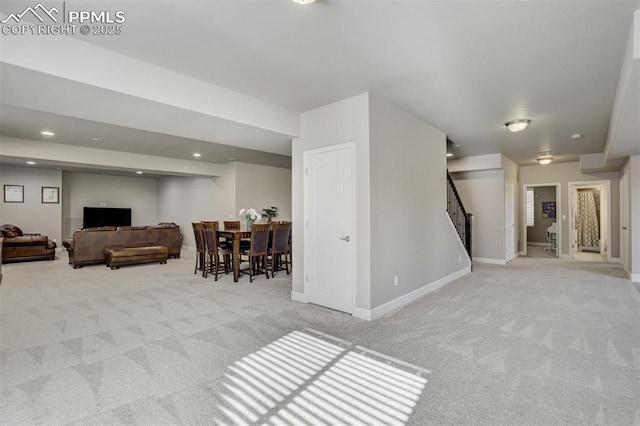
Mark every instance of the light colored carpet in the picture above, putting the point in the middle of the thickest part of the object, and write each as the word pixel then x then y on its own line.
pixel 539 341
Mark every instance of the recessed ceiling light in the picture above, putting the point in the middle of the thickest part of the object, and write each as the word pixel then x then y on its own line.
pixel 303 1
pixel 197 154
pixel 138 172
pixel 47 133
pixel 449 154
pixel 576 136
pixel 31 163
pixel 518 125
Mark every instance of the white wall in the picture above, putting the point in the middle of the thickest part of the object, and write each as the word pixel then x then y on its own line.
pixel 33 216
pixel 411 236
pixel 261 187
pixel 333 124
pixel 482 193
pixel 564 173
pixel 89 190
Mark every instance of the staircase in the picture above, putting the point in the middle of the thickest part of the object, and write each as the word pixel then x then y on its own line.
pixel 459 216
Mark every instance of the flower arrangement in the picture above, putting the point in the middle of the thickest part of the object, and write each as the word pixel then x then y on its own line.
pixel 250 216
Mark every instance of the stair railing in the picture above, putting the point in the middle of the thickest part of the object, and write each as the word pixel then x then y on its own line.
pixel 459 216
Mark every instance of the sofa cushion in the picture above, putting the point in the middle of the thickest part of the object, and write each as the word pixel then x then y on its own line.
pixel 131 228
pixel 10 231
pixel 26 240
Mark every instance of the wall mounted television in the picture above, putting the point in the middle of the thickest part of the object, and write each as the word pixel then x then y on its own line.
pixel 106 216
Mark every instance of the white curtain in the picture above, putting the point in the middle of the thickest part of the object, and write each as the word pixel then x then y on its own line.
pixel 587 220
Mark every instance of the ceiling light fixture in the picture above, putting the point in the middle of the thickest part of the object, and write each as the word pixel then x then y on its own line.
pixel 449 154
pixel 197 154
pixel 518 125
pixel 138 172
pixel 303 1
pixel 47 133
pixel 31 163
pixel 544 161
pixel 95 139
pixel 576 136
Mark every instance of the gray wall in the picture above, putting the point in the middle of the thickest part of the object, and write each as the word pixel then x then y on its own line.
pixel 411 234
pixel 333 124
pixel 482 193
pixel 184 200
pixel 563 173
pixel 33 216
pixel 80 190
pixel 261 187
pixel 538 232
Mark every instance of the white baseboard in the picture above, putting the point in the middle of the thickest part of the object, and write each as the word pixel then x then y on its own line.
pixel 491 261
pixel 635 278
pixel 299 297
pixel 375 313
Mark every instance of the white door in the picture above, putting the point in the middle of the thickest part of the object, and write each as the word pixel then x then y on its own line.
pixel 329 225
pixel 509 221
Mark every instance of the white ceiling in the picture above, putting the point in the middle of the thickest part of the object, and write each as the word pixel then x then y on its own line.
pixel 464 67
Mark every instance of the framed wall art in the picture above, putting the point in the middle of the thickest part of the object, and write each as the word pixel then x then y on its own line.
pixel 14 193
pixel 549 209
pixel 50 194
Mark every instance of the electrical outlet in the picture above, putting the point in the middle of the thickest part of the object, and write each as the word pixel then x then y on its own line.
pixel 395 281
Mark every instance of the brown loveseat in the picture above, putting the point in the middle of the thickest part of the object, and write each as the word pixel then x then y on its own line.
pixel 17 246
pixel 87 245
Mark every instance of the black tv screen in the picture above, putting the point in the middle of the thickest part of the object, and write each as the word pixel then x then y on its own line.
pixel 105 216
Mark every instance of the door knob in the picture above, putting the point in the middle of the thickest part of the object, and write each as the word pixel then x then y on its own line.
pixel 344 238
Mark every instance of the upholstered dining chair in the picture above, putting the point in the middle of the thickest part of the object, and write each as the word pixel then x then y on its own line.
pixel 198 233
pixel 258 248
pixel 214 251
pixel 279 249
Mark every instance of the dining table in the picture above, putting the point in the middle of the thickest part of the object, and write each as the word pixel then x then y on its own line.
pixel 235 235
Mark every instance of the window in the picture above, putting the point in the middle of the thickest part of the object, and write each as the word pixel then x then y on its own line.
pixel 530 209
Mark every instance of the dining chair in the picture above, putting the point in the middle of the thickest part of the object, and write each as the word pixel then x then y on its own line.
pixel 280 233
pixel 214 251
pixel 231 225
pixel 198 231
pixel 258 248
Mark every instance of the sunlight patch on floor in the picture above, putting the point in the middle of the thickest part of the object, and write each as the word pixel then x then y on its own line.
pixel 312 378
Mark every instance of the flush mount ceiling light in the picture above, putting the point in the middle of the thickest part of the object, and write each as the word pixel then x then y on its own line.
pixel 138 172
pixel 518 125
pixel 576 136
pixel 47 133
pixel 197 154
pixel 31 163
pixel 449 154
pixel 544 161
pixel 303 1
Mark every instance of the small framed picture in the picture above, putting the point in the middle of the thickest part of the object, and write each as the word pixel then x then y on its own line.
pixel 50 194
pixel 14 193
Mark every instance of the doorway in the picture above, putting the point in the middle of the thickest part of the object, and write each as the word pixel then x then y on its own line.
pixel 541 233
pixel 329 240
pixel 589 206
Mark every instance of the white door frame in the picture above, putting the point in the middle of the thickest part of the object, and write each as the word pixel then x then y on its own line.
pixel 511 206
pixel 305 214
pixel 624 219
pixel 606 185
pixel 558 216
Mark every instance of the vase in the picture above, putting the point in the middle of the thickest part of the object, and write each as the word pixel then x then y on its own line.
pixel 249 226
